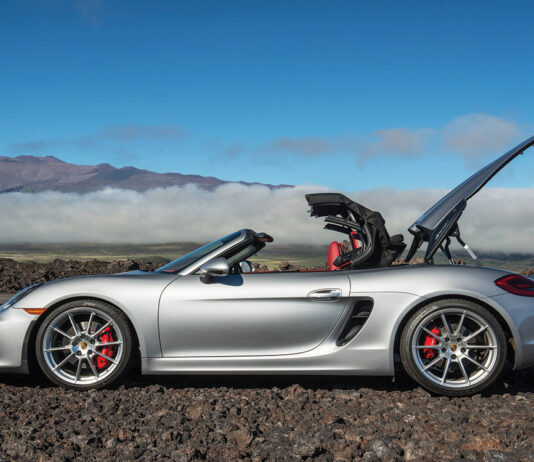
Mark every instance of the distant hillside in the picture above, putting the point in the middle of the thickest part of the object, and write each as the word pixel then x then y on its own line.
pixel 34 174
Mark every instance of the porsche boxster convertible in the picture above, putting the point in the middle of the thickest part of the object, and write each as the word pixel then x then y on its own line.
pixel 451 327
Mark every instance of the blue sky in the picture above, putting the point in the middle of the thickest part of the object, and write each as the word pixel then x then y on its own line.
pixel 351 95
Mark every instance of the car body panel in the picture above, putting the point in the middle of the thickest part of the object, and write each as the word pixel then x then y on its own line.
pixel 15 326
pixel 428 280
pixel 368 353
pixel 249 314
pixel 518 312
pixel 136 293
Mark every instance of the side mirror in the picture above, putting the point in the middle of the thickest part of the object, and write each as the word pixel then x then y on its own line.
pixel 246 267
pixel 214 268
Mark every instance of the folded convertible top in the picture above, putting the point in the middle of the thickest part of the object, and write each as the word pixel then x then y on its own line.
pixel 381 249
pixel 325 204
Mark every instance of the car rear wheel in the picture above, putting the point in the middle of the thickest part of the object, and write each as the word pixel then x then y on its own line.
pixel 453 347
pixel 84 344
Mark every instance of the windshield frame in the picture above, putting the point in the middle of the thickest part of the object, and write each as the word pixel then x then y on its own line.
pixel 196 264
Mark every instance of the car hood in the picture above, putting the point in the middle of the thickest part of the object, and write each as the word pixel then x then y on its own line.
pixel 111 287
pixel 437 223
pixel 126 276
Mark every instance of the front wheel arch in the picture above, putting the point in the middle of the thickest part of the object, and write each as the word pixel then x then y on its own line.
pixel 31 357
pixel 510 349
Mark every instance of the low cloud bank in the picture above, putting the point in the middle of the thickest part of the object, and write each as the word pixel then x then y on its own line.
pixel 496 219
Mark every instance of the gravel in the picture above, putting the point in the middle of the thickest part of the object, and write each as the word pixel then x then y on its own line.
pixel 258 418
pixel 265 419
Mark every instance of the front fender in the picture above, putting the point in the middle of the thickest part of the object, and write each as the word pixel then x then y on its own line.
pixel 137 295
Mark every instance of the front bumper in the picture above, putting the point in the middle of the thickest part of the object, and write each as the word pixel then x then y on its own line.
pixel 15 328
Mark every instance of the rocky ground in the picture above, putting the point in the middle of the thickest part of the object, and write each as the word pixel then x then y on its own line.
pixel 254 418
pixel 265 419
pixel 16 275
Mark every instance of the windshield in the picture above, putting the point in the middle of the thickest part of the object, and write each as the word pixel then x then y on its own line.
pixel 183 262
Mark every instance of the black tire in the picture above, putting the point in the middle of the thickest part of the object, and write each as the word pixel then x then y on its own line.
pixel 87 346
pixel 452 355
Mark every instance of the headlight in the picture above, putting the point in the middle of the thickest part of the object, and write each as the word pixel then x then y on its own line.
pixel 19 296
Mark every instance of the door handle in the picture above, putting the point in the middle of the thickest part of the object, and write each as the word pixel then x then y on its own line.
pixel 325 295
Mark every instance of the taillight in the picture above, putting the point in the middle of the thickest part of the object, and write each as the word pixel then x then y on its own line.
pixel 516 284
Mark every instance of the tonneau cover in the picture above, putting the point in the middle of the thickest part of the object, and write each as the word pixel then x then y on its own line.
pixel 438 222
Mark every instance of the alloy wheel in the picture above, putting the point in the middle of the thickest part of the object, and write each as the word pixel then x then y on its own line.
pixel 82 346
pixel 455 348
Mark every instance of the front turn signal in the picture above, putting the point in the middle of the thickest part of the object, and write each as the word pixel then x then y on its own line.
pixel 36 311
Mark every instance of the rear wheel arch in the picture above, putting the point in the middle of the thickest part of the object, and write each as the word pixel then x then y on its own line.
pixel 510 349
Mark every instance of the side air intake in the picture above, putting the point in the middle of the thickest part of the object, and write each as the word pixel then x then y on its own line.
pixel 360 314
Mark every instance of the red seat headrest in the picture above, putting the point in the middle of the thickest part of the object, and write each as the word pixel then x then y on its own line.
pixel 334 250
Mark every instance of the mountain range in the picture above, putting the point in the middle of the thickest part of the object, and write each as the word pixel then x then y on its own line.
pixel 35 174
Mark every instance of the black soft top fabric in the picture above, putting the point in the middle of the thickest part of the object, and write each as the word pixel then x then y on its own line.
pixel 325 204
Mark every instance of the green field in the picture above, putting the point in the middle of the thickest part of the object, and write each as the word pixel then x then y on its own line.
pixel 272 256
pixel 158 253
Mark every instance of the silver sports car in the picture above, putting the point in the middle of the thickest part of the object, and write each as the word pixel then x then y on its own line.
pixel 451 327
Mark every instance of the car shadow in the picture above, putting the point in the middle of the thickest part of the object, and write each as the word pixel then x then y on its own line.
pixel 135 380
pixel 512 382
pixel 275 381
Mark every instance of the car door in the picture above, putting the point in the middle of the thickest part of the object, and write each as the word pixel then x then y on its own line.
pixel 250 314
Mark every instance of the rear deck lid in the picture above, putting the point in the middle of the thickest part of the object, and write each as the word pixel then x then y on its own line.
pixel 440 221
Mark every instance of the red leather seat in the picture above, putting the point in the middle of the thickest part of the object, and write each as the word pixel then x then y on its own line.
pixel 355 241
pixel 334 250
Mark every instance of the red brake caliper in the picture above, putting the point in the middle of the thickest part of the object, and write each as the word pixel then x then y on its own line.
pixel 106 337
pixel 431 341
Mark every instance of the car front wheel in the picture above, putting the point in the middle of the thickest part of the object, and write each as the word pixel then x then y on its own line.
pixel 453 347
pixel 84 344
